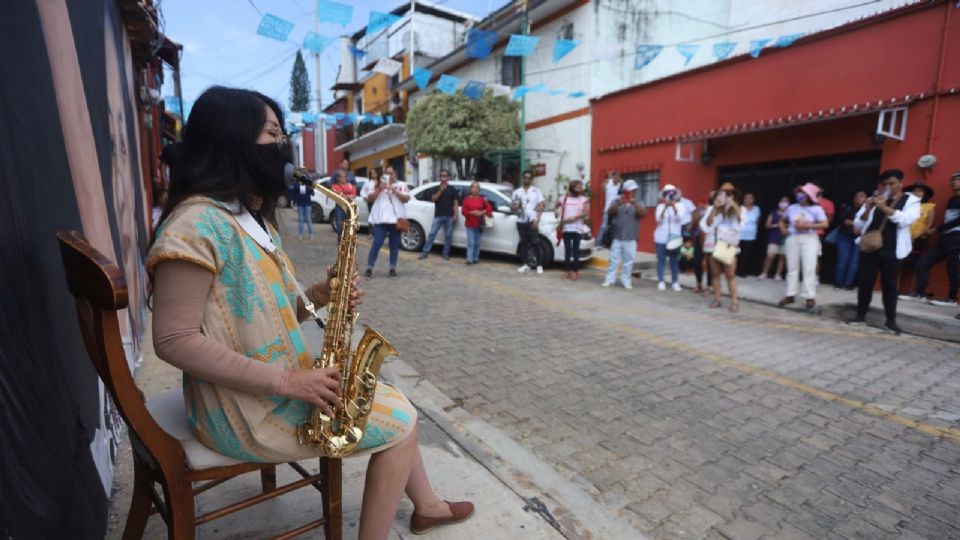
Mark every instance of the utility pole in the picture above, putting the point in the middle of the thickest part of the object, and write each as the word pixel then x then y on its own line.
pixel 524 23
pixel 413 10
pixel 320 132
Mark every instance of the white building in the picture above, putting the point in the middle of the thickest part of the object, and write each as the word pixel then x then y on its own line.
pixel 558 127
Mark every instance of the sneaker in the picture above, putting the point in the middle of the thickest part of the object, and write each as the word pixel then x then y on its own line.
pixel 539 269
pixel 777 278
pixel 762 277
pixel 523 269
pixel 628 285
pixel 661 286
pixel 892 327
pixel 368 273
pixel 606 284
pixel 946 302
pixel 393 272
pixel 912 297
pixel 422 256
pixel 676 287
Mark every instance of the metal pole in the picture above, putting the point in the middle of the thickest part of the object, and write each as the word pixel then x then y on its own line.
pixel 413 7
pixel 523 99
pixel 319 148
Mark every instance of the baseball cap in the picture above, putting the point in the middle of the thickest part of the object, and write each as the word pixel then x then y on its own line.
pixel 630 185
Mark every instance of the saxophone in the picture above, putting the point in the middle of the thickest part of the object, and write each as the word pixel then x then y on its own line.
pixel 339 436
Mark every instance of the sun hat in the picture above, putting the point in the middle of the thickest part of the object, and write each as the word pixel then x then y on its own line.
pixel 927 190
pixel 668 187
pixel 727 186
pixel 630 185
pixel 811 190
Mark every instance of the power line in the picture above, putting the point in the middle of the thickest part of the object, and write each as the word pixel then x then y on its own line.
pixel 254 6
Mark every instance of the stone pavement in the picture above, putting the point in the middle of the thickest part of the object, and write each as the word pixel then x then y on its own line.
pixel 684 421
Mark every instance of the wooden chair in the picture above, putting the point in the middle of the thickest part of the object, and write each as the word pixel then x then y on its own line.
pixel 164 450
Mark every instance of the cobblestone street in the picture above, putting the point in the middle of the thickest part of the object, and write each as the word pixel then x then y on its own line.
pixel 686 422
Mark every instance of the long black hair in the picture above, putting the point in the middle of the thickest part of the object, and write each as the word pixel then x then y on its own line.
pixel 218 156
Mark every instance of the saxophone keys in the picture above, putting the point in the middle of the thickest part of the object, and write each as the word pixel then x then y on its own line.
pixel 367 380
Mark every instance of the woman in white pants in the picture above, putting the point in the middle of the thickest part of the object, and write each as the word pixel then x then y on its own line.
pixel 802 246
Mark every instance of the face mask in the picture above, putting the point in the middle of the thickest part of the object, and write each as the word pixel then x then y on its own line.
pixel 268 175
pixel 783 205
pixel 801 197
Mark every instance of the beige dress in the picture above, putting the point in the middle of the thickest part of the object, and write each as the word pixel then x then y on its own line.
pixel 251 309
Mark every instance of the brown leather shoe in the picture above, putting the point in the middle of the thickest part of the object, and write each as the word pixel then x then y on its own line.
pixel 461 511
pixel 811 303
pixel 786 301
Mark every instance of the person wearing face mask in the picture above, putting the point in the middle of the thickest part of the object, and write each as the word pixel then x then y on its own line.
pixel 724 222
pixel 672 215
pixel 528 201
pixel 775 240
pixel 848 252
pixel 890 213
pixel 227 311
pixel 572 209
pixel 800 223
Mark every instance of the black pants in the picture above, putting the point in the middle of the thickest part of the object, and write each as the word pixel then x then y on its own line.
pixel 528 244
pixel 747 258
pixel 885 263
pixel 696 262
pixel 947 248
pixel 571 251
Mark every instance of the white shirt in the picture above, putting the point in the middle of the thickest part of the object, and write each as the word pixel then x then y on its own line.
pixel 387 207
pixel 611 190
pixel 573 206
pixel 529 200
pixel 726 228
pixel 903 218
pixel 670 222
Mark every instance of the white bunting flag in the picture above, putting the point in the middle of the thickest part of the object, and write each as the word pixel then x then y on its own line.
pixel 387 66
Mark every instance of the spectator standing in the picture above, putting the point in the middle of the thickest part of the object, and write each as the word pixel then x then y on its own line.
pixel 625 214
pixel 572 210
pixel 891 213
pixel 923 227
pixel 671 216
pixel 388 197
pixel 800 223
pixel 748 236
pixel 694 238
pixel 724 221
pixel 446 209
pixel 529 201
pixel 948 247
pixel 475 208
pixel 302 195
pixel 611 192
pixel 775 240
pixel 345 168
pixel 347 190
pixel 848 252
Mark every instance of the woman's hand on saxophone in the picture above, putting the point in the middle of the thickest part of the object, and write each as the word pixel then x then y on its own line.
pixel 319 293
pixel 320 387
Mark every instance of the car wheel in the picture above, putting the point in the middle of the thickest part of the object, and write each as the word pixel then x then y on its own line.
pixel 544 252
pixel 413 239
pixel 316 213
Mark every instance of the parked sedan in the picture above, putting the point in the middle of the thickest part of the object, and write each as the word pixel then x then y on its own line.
pixel 501 238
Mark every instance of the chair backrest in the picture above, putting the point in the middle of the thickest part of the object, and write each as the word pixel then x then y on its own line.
pixel 99 289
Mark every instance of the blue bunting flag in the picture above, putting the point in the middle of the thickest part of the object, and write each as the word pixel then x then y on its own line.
pixel 562 47
pixel 480 43
pixel 756 46
pixel 521 45
pixel 474 90
pixel 315 42
pixel 357 53
pixel 578 93
pixel 422 77
pixel 334 12
pixel 274 27
pixel 520 91
pixel 646 54
pixel 687 50
pixel 448 84
pixel 309 117
pixel 379 21
pixel 556 91
pixel 787 40
pixel 721 51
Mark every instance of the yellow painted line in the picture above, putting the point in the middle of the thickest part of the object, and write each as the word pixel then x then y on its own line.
pixel 952 434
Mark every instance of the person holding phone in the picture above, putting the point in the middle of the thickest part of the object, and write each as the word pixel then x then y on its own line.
pixel 800 223
pixel 671 216
pixel 625 214
pixel 388 197
pixel 723 222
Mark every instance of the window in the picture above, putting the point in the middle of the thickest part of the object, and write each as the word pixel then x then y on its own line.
pixel 495 199
pixel 566 31
pixel 426 195
pixel 510 70
pixel 649 182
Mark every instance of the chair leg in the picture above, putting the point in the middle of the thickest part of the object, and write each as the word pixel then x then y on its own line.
pixel 182 523
pixel 331 495
pixel 140 504
pixel 268 479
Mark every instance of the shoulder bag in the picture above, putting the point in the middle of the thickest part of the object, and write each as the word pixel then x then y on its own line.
pixel 563 209
pixel 872 240
pixel 403 224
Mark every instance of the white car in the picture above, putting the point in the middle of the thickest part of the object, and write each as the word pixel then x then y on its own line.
pixel 501 238
pixel 321 205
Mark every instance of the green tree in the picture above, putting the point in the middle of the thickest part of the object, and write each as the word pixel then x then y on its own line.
pixel 462 129
pixel 299 86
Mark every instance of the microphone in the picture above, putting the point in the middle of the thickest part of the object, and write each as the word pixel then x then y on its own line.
pixel 297 175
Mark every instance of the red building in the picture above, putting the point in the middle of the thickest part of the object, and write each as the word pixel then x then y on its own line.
pixel 836 107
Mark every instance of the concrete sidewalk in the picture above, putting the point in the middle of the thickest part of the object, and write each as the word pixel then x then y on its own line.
pixel 516 494
pixel 913 317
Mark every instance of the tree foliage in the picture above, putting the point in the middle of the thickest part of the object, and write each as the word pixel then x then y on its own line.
pixel 299 86
pixel 462 129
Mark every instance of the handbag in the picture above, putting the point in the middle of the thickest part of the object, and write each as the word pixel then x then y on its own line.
pixel 673 242
pixel 487 221
pixel 724 252
pixel 403 224
pixel 563 208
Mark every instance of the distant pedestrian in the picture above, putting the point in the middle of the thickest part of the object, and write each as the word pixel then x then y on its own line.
pixel 303 198
pixel 948 247
pixel 691 255
pixel 446 212
pixel 625 214
pixel 671 216
pixel 800 223
pixel 723 221
pixel 775 237
pixel 923 227
pixel 572 210
pixel 888 214
pixel 345 168
pixel 475 207
pixel 349 191
pixel 528 201
pixel 611 192
pixel 388 197
pixel 848 252
pixel 746 261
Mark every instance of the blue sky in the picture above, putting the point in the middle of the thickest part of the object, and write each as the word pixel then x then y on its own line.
pixel 221 44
